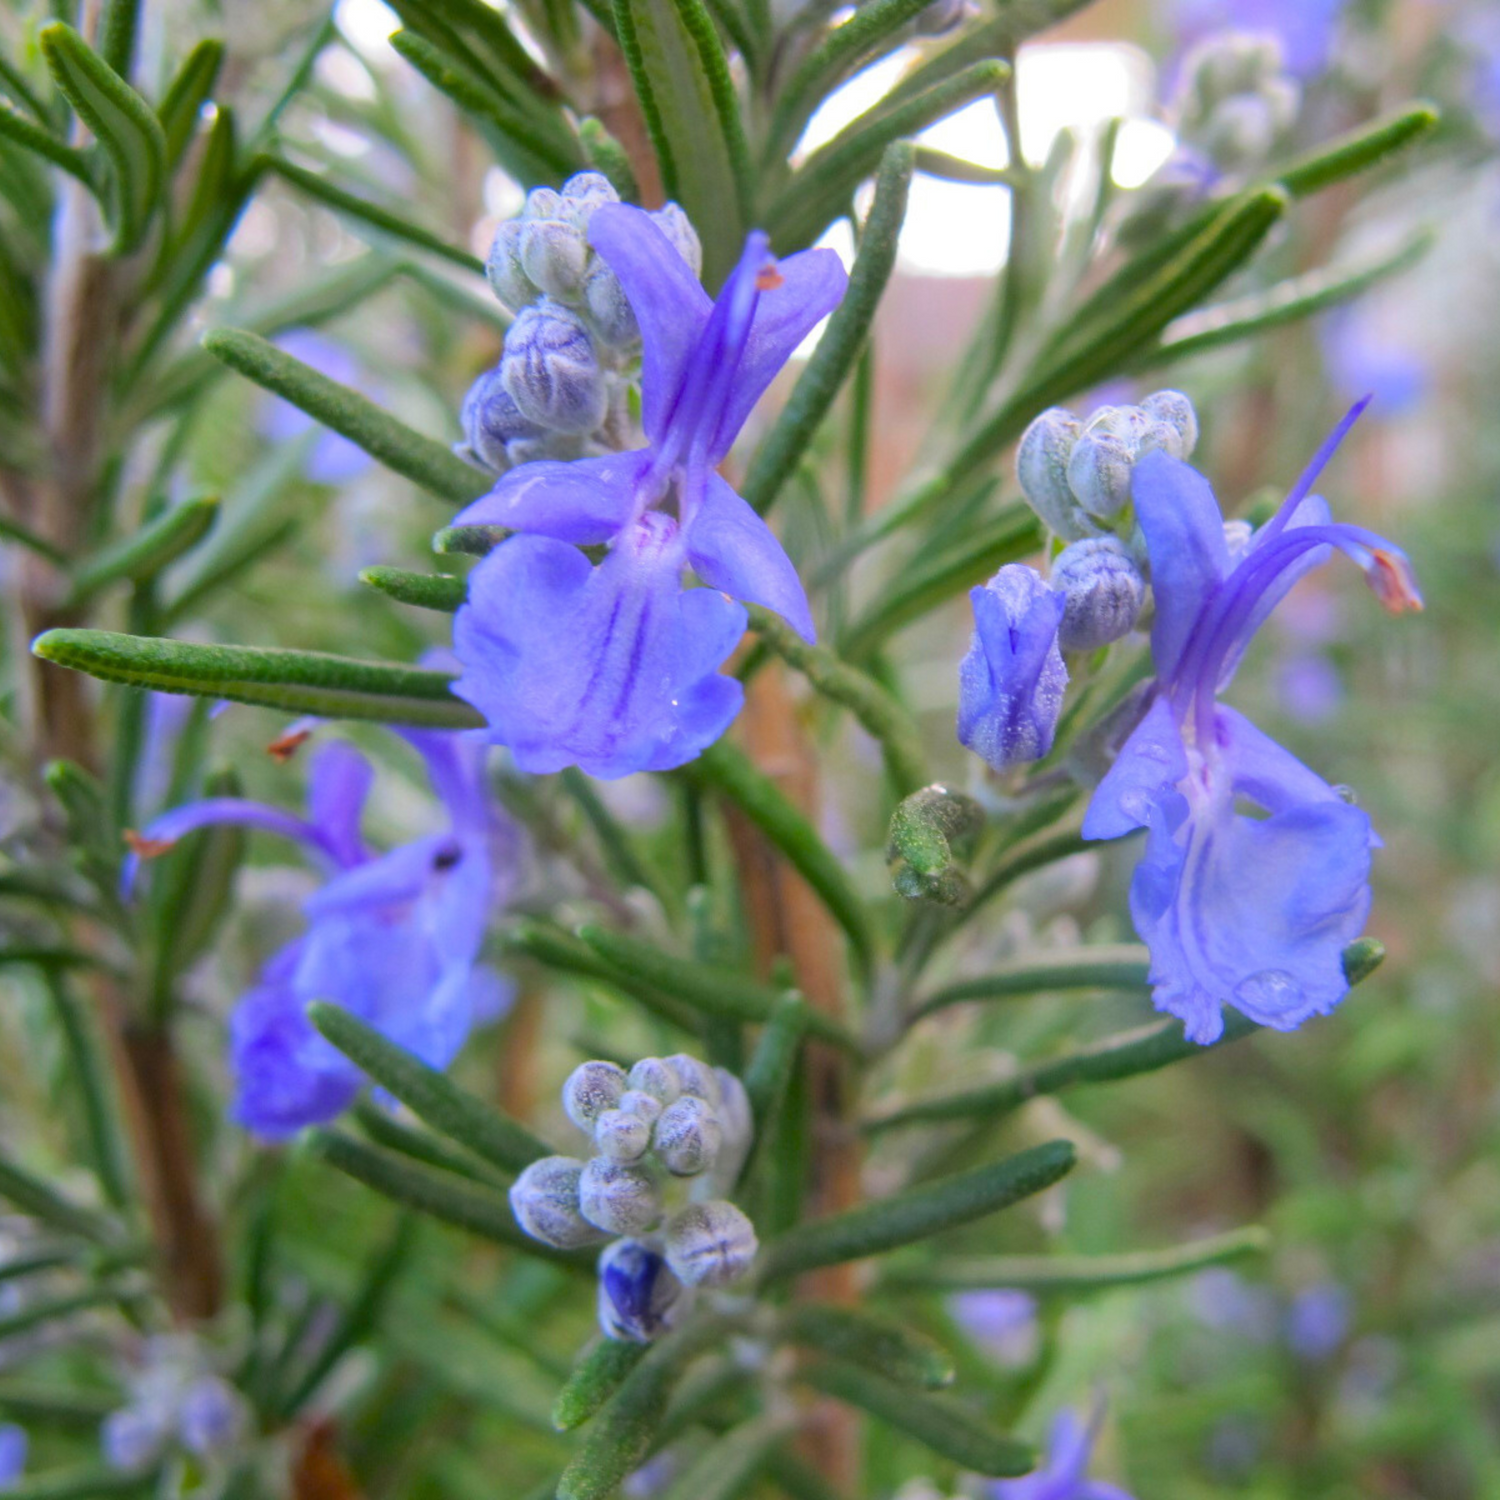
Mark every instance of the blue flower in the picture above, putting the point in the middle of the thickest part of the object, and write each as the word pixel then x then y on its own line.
pixel 394 938
pixel 614 667
pixel 1065 1474
pixel 1305 28
pixel 1317 1321
pixel 1248 910
pixel 13 1446
pixel 333 459
pixel 1011 681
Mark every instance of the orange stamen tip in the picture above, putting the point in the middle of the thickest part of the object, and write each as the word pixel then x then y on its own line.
pixel 768 278
pixel 284 748
pixel 1395 587
pixel 145 848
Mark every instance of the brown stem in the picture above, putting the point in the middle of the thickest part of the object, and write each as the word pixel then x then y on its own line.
pixel 788 921
pixel 515 1080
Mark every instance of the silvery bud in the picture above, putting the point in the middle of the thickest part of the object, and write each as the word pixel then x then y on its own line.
pixel 545 1201
pixel 1104 592
pixel 687 1137
pixel 582 193
pixel 550 369
pixel 503 268
pixel 734 1107
pixel 1042 468
pixel 1176 423
pixel 592 1088
pixel 554 254
pixel 695 1077
pixel 673 222
pixel 543 203
pixel 620 1198
pixel 622 1136
pixel 637 1291
pixel 1240 132
pixel 710 1244
pixel 492 422
pixel 654 1076
pixel 641 1104
pixel 1099 472
pixel 609 308
pixel 133 1436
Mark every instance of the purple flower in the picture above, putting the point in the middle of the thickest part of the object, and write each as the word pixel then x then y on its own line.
pixel 1318 1321
pixel 1065 1473
pixel 334 459
pixel 1363 354
pixel 1001 1321
pixel 13 1446
pixel 1010 684
pixel 614 667
pixel 394 938
pixel 1305 28
pixel 1252 911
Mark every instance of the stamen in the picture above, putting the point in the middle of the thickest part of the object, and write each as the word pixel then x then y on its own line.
pixel 285 746
pixel 1394 584
pixel 768 278
pixel 144 848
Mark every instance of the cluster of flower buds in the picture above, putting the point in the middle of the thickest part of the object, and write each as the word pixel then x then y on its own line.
pixel 1235 99
pixel 560 389
pixel 669 1137
pixel 174 1401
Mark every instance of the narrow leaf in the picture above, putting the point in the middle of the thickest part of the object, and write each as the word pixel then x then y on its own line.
pixel 768 1075
pixel 83 1484
pixel 728 1466
pixel 122 122
pixel 946 1427
pixel 14 126
pixel 1359 150
pixel 420 459
pixel 33 1196
pixel 159 542
pixel 430 1095
pixel 186 95
pixel 439 591
pixel 1107 967
pixel 595 1378
pixel 916 1213
pixel 308 682
pixel 903 1355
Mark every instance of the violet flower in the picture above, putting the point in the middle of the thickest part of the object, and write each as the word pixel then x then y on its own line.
pixel 614 667
pixel 393 938
pixel 334 460
pixel 1305 28
pixel 1251 911
pixel 1064 1475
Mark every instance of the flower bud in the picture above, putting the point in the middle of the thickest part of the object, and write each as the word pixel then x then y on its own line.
pixel 545 1201
pixel 1176 423
pixel 695 1077
pixel 619 1198
pixel 584 192
pixel 621 1136
pixel 651 1075
pixel 641 1104
pixel 133 1436
pixel 609 308
pixel 687 1137
pixel 553 254
pixel 710 1244
pixel 734 1107
pixel 637 1291
pixel 503 267
pixel 592 1088
pixel 550 370
pixel 1103 590
pixel 1042 468
pixel 492 423
pixel 673 222
pixel 1099 473
pixel 210 1417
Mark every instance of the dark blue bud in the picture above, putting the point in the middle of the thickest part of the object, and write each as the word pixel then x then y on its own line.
pixel 637 1291
pixel 1102 591
pixel 492 421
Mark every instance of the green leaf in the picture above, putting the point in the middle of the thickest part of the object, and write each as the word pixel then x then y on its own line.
pixel 903 1355
pixel 1361 958
pixel 820 188
pixel 1359 150
pixel 706 987
pixel 729 1465
pixel 941 1423
pixel 620 1436
pixel 14 126
pixel 304 682
pixel 440 591
pixel 140 557
pixel 123 124
pixel 480 1211
pixel 430 1095
pixel 186 95
pixel 920 850
pixel 605 154
pixel 729 771
pixel 33 1196
pixel 83 1484
pixel 1140 1051
pixel 687 96
pixel 422 460
pixel 118 25
pixel 595 1378
pixel 916 1213
pixel 768 1076
pixel 468 541
pixel 365 212
pixel 1125 966
pixel 877 710
pixel 384 1129
pixel 1080 1273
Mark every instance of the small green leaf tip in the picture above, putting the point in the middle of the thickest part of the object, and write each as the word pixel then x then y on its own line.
pixel 1362 958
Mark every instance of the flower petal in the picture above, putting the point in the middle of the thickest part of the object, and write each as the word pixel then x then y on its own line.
pixel 732 549
pixel 585 501
pixel 1185 539
pixel 669 305
pixel 1147 769
pixel 338 781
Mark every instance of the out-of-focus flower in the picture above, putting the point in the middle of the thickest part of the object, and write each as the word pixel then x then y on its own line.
pixel 1247 911
pixel 174 1401
pixel 1001 1321
pixel 1305 28
pixel 1064 1472
pixel 334 459
pixel 614 667
pixel 1224 1301
pixel 13 1446
pixel 1317 1322
pixel 1365 357
pixel 393 938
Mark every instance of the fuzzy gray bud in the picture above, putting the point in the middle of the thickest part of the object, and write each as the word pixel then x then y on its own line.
pixel 1042 468
pixel 584 192
pixel 545 1201
pixel 550 370
pixel 617 1197
pixel 592 1088
pixel 503 268
pixel 734 1107
pixel 1175 422
pixel 622 1136
pixel 554 254
pixel 654 1076
pixel 710 1244
pixel 644 1106
pixel 695 1077
pixel 687 1137
pixel 1104 592
pixel 673 222
pixel 1099 473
